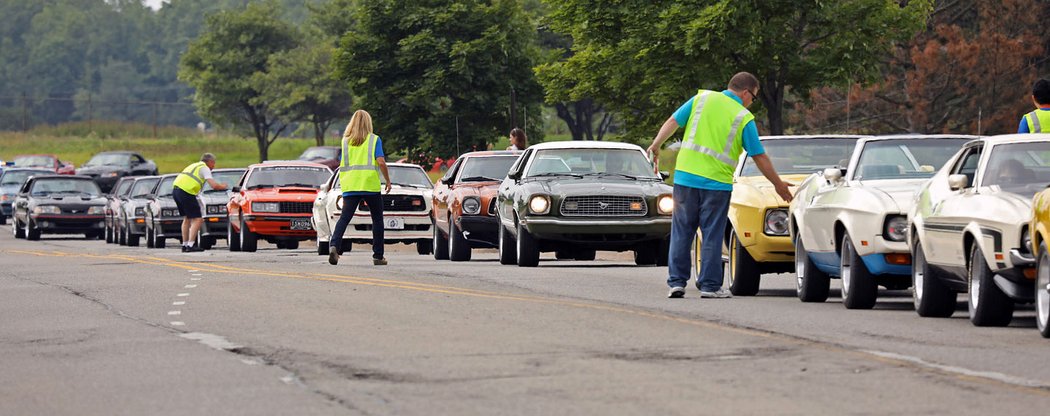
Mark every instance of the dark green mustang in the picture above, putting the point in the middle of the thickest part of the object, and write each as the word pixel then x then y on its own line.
pixel 574 198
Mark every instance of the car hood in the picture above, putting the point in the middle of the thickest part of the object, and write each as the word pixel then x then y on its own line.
pixel 1020 205
pixel 166 202
pixel 9 189
pixel 97 170
pixel 896 193
pixel 72 200
pixel 281 194
pixel 477 188
pixel 757 190
pixel 605 186
pixel 216 197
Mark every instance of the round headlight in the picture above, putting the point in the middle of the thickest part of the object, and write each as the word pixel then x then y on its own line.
pixel 339 202
pixel 776 222
pixel 539 204
pixel 471 206
pixel 665 204
pixel 896 228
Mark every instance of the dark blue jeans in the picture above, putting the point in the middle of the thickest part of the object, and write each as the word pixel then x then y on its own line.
pixel 375 208
pixel 707 210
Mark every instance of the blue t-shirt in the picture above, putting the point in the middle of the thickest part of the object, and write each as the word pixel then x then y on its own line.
pixel 379 154
pixel 1023 128
pixel 752 145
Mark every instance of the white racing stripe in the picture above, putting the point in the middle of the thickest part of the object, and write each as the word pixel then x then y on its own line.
pixel 991 375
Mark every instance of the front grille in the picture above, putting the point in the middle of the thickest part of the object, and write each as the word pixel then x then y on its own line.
pixel 604 206
pixel 78 210
pixel 401 203
pixel 408 227
pixel 297 207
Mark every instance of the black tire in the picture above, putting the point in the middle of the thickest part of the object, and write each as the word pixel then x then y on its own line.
pixel 585 255
pixel 109 235
pixel 440 244
pixel 663 254
pixel 16 228
pixel 458 247
pixel 322 248
pixel 133 240
pixel 347 247
pixel 1042 293
pixel 32 233
pixel 158 242
pixel 205 242
pixel 3 219
pixel 280 244
pixel 233 241
pixel 424 247
pixel 932 298
pixel 811 283
pixel 149 237
pixel 988 305
pixel 565 255
pixel 291 245
pixel 528 249
pixel 742 270
pixel 508 253
pixel 122 237
pixel 249 240
pixel 859 290
pixel 646 255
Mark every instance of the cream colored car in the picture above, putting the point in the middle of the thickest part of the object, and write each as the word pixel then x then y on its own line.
pixel 406 212
pixel 851 223
pixel 970 232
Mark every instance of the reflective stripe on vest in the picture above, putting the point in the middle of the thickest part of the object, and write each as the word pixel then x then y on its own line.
pixel 1038 121
pixel 713 141
pixel 189 179
pixel 357 170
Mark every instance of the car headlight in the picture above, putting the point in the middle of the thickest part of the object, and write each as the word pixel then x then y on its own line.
pixel 776 222
pixel 339 202
pixel 665 204
pixel 111 174
pixel 216 209
pixel 471 206
pixel 47 209
pixel 6 197
pixel 140 212
pixel 1026 241
pixel 265 207
pixel 99 210
pixel 169 212
pixel 896 228
pixel 540 204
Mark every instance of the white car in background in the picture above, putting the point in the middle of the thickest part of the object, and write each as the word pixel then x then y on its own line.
pixel 406 212
pixel 852 222
pixel 969 230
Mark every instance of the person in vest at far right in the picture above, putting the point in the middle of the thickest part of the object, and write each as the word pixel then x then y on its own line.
pixel 718 128
pixel 1038 121
pixel 360 164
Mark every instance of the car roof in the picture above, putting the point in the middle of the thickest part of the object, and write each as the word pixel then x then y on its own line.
pixel 814 136
pixel 287 163
pixel 919 136
pixel 490 153
pixel 580 144
pixel 228 170
pixel 30 169
pixel 404 165
pixel 1014 138
pixel 323 147
pixel 56 176
pixel 117 152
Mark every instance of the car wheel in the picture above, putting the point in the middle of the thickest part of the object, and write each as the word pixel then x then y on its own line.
pixel 528 248
pixel 3 219
pixel 32 233
pixel 741 269
pixel 291 245
pixel 1042 292
pixel 585 255
pixel 322 248
pixel 133 240
pixel 424 247
pixel 932 298
pixel 122 237
pixel 458 247
pixel 859 290
pixel 440 244
pixel 646 255
pixel 206 242
pixel 507 246
pixel 988 305
pixel 109 234
pixel 158 241
pixel 565 255
pixel 281 244
pixel 811 283
pixel 16 228
pixel 249 240
pixel 149 237
pixel 233 241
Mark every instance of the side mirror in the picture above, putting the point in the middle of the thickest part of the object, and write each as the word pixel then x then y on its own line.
pixel 446 181
pixel 833 175
pixel 514 175
pixel 957 182
pixel 324 188
pixel 664 175
pixel 236 189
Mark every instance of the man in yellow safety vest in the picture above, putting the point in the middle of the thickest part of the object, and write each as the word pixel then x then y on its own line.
pixel 1038 121
pixel 187 187
pixel 719 128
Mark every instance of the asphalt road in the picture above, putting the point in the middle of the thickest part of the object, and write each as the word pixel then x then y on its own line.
pixel 88 328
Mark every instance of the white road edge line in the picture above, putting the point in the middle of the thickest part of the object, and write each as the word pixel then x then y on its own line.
pixel 991 375
pixel 177 323
pixel 194 279
pixel 174 312
pixel 178 303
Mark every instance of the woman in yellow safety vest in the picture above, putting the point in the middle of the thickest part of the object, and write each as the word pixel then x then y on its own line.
pixel 361 162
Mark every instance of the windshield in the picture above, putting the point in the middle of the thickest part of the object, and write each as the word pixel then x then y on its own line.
pixel 143 187
pixel 1021 168
pixel 166 186
pixel 279 176
pixel 227 177
pixel 114 159
pixel 489 168
pixel 35 162
pixel 320 153
pixel 124 188
pixel 18 177
pixel 905 158
pixel 621 162
pixel 794 156
pixel 62 186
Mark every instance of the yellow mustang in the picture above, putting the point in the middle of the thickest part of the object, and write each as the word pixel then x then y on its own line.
pixel 757 239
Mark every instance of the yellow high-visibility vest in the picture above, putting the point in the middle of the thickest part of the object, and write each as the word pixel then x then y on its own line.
pixel 190 180
pixel 357 168
pixel 713 137
pixel 1038 121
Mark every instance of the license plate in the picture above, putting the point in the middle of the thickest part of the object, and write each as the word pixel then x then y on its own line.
pixel 394 223
pixel 301 224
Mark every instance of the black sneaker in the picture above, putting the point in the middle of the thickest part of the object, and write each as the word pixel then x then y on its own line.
pixel 379 262
pixel 333 256
pixel 185 249
pixel 193 249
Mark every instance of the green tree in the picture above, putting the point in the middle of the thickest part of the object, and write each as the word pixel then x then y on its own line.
pixel 300 86
pixel 233 50
pixel 644 58
pixel 433 70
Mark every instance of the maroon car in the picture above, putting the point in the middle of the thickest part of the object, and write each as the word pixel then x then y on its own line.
pixel 325 155
pixel 45 161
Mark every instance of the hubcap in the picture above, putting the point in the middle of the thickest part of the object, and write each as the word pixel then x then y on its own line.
pixel 800 264
pixel 1042 292
pixel 730 267
pixel 501 231
pixel 918 277
pixel 847 253
pixel 975 287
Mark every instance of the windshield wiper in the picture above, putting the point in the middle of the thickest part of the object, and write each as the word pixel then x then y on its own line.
pixel 303 185
pixel 549 174
pixel 617 174
pixel 478 179
pixel 259 186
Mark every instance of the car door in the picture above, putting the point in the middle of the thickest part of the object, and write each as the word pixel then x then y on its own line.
pixel 950 212
pixel 442 192
pixel 233 209
pixel 21 205
pixel 510 190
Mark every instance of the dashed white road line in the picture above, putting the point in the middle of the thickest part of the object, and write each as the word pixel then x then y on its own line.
pixel 182 295
pixel 194 279
pixel 178 303
pixel 174 312
pixel 190 286
pixel 177 323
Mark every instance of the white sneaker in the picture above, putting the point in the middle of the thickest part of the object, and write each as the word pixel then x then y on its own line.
pixel 720 294
pixel 676 292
